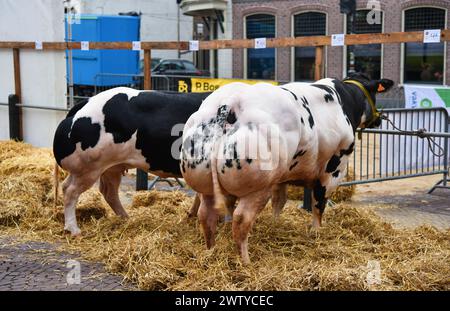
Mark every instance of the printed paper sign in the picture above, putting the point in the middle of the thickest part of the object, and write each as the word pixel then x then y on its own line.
pixel 193 45
pixel 85 45
pixel 38 45
pixel 260 43
pixel 337 39
pixel 432 36
pixel 136 45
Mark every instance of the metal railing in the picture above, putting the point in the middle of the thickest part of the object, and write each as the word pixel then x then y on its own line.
pixel 387 154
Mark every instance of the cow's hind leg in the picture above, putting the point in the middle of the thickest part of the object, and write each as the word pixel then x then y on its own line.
pixel 194 208
pixel 109 187
pixel 279 198
pixel 244 217
pixel 208 215
pixel 73 187
pixel 319 201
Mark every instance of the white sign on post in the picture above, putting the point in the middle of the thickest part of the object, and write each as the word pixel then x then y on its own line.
pixel 260 43
pixel 337 39
pixel 193 45
pixel 136 45
pixel 432 36
pixel 85 45
pixel 38 45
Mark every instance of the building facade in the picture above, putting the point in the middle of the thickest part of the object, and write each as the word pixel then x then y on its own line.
pixel 404 63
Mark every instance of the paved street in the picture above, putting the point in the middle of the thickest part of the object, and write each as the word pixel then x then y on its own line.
pixel 35 266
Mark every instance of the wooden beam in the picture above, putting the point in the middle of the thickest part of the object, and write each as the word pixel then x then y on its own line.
pixel 318 67
pixel 147 69
pixel 383 38
pixel 18 88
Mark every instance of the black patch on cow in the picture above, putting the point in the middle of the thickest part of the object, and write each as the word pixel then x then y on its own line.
pixel 310 117
pixel 183 167
pixel 329 92
pixel 293 165
pixel 333 164
pixel 231 118
pixel 249 161
pixel 295 96
pixel 319 192
pixel 76 108
pixel 328 98
pixel 86 132
pixel 119 118
pixel 63 146
pixel 229 163
pixel 336 174
pixel 349 150
pixel 301 120
pixel 155 114
pixel 351 99
pixel 64 142
pixel 299 153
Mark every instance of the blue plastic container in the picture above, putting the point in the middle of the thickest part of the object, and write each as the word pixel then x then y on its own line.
pixel 92 67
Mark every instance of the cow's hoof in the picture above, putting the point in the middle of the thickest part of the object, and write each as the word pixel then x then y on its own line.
pixel 74 232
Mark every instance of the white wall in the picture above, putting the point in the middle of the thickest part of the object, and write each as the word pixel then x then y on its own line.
pixel 42 73
pixel 226 56
pixel 158 20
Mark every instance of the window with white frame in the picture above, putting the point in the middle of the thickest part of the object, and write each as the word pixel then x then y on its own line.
pixel 307 24
pixel 424 62
pixel 260 62
pixel 364 58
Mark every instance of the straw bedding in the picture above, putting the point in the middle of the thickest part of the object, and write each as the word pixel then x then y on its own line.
pixel 160 250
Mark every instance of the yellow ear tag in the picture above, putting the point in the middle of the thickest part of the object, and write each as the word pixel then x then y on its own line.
pixel 380 88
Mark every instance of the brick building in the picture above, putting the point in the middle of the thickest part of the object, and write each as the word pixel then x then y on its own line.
pixel 403 63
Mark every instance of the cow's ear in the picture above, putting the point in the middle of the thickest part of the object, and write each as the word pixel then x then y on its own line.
pixel 384 85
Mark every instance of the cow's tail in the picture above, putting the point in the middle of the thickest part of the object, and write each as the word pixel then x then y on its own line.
pixel 226 115
pixel 219 196
pixel 55 184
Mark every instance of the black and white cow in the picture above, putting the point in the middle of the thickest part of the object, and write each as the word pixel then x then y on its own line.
pixel 116 130
pixel 251 140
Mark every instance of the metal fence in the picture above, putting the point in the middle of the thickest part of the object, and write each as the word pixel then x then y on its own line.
pixel 387 154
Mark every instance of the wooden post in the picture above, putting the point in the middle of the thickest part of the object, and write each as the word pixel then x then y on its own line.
pixel 142 176
pixel 147 69
pixel 18 93
pixel 318 68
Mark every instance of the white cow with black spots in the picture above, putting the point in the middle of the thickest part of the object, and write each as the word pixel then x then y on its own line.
pixel 249 141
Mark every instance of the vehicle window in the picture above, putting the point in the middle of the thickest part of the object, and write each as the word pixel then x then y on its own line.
pixel 189 66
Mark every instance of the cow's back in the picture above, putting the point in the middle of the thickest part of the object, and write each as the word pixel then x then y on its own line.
pixel 124 124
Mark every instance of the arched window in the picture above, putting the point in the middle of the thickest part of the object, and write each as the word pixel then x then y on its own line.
pixel 260 62
pixel 307 24
pixel 424 62
pixel 364 58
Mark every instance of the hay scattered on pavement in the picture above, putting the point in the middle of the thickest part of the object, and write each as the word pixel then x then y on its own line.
pixel 159 250
pixel 342 194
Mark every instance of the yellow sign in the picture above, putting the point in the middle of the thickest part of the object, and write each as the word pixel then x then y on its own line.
pixel 182 86
pixel 200 85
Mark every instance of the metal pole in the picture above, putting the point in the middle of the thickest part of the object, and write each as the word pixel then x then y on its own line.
pixel 142 176
pixel 141 180
pixel 69 52
pixel 178 27
pixel 307 199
